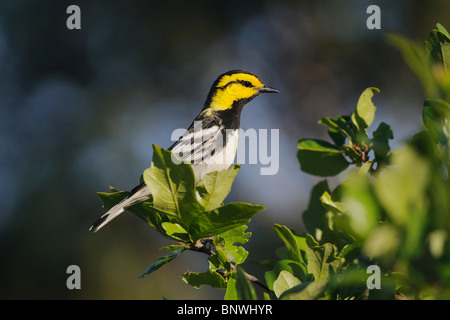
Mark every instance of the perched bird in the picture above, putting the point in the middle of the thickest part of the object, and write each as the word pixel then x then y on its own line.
pixel 210 143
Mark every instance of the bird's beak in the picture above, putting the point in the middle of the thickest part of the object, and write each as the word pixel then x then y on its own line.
pixel 265 89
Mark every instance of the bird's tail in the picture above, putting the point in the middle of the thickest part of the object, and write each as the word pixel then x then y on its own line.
pixel 138 194
pixel 107 217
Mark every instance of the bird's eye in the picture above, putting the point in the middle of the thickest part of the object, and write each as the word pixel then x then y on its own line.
pixel 247 84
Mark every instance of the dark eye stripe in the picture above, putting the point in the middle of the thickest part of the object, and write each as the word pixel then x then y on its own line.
pixel 247 84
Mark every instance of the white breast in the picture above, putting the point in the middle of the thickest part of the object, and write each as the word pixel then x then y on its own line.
pixel 209 154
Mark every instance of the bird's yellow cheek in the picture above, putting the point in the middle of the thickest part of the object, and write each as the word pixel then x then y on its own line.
pixel 224 98
pixel 240 92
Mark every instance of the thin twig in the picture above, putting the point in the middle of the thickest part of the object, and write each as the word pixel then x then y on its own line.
pixel 258 282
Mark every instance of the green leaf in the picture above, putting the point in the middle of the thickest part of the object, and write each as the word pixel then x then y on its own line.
pixel 361 208
pixel 211 278
pixel 351 153
pixel 339 128
pixel 400 188
pixel 415 57
pixel 284 282
pixel 384 132
pixel 436 116
pixel 294 267
pixel 162 261
pixel 235 254
pixel 403 191
pixel 441 28
pixel 382 242
pixel 328 202
pixel 289 240
pixel 366 167
pixel 311 242
pixel 235 235
pixel 337 137
pixel 349 249
pixel 321 259
pixel 215 186
pixel 380 141
pixel 318 218
pixel 365 109
pixel 231 293
pixel 320 158
pixel 220 260
pixel 437 240
pixel 314 217
pixel 306 291
pixel 173 187
pixel 244 288
pixel 174 247
pixel 227 242
pixel 437 48
pixel 222 219
pixel 153 217
pixel 301 241
pixel 175 231
pixel 446 55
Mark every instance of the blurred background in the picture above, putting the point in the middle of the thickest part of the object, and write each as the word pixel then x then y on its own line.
pixel 80 109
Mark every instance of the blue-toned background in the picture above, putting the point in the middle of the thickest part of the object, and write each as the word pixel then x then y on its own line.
pixel 80 109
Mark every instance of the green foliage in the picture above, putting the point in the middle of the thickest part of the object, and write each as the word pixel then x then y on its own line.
pixel 194 216
pixel 392 209
pixel 351 142
pixel 306 277
pixel 239 287
pixel 430 62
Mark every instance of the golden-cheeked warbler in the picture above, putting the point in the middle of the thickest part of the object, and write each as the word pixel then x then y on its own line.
pixel 210 143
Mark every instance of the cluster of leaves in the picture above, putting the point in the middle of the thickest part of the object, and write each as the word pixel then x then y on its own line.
pixel 351 142
pixel 325 263
pixel 430 61
pixel 194 216
pixel 392 210
pixel 431 64
pixel 304 270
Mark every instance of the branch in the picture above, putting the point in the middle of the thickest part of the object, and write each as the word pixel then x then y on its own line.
pixel 200 246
